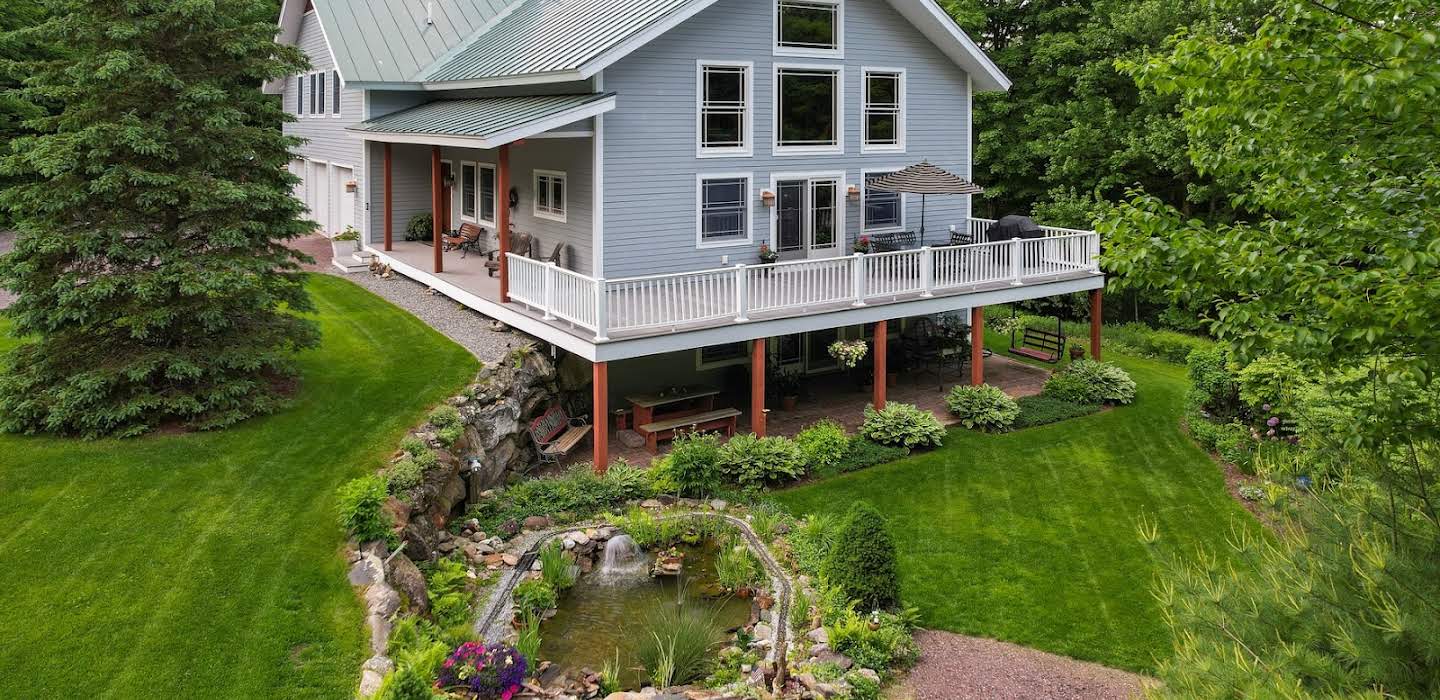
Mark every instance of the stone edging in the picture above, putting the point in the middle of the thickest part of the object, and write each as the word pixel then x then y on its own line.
pixel 499 607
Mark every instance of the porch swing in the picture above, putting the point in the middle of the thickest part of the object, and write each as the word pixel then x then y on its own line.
pixel 1037 343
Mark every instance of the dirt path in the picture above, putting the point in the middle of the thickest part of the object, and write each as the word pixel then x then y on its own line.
pixel 954 666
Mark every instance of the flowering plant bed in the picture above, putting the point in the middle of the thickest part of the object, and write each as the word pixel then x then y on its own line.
pixel 485 673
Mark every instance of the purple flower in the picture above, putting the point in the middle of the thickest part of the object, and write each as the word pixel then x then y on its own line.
pixel 1265 408
pixel 487 673
pixel 1274 421
pixel 1270 432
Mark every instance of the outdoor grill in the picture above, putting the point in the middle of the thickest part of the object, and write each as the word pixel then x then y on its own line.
pixel 1013 226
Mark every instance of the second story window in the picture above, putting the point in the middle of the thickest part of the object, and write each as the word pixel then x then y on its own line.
pixel 724 111
pixel 335 97
pixel 724 210
pixel 809 27
pixel 884 120
pixel 300 94
pixel 550 195
pixel 808 113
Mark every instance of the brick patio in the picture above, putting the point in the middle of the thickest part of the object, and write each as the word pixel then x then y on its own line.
pixel 836 396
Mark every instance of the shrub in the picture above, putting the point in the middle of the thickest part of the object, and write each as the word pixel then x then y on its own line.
pixel 448 585
pixel 362 509
pixel 1043 410
pixel 824 444
pixel 1235 444
pixel 1088 381
pixel 752 461
pixel 694 463
pixel 486 673
pixel 902 424
pixel 578 493
pixel 446 420
pixel 403 476
pixel 982 407
pixel 1212 381
pixel 867 453
pixel 676 645
pixel 421 227
pixel 862 559
pixel 1140 340
pixel 887 647
pixel 534 596
pixel 1271 380
pixel 862 687
pixel 412 445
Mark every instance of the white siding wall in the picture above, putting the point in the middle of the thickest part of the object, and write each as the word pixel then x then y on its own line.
pixel 327 141
pixel 650 163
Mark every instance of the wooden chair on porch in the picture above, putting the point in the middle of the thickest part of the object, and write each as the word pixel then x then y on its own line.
pixel 520 244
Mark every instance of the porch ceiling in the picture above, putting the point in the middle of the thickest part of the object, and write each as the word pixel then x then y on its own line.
pixel 484 122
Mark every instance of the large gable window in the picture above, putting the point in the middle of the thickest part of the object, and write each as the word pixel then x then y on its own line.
pixel 724 114
pixel 808 110
pixel 884 118
pixel 809 27
pixel 724 210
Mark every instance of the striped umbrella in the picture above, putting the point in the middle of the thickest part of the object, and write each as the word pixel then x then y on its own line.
pixel 922 179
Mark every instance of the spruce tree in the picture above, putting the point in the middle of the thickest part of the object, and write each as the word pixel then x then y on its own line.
pixel 862 560
pixel 154 283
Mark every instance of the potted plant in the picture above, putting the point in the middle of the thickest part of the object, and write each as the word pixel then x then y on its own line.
pixel 345 243
pixel 1077 353
pixel 848 353
pixel 767 255
pixel 787 387
pixel 862 244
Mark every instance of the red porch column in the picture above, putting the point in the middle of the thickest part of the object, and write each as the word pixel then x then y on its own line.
pixel 435 189
pixel 977 346
pixel 757 387
pixel 388 222
pixel 1096 319
pixel 502 218
pixel 600 417
pixel 882 342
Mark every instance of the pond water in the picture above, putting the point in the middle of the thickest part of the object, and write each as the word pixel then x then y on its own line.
pixel 606 613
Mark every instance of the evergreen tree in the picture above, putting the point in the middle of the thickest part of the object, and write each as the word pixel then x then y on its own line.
pixel 862 560
pixel 154 283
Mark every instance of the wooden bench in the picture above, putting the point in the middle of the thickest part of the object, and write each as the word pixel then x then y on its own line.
pixel 1038 344
pixel 470 238
pixel 556 434
pixel 665 429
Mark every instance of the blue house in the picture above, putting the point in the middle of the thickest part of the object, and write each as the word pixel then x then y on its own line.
pixel 649 158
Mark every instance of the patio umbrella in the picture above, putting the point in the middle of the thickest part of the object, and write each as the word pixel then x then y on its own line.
pixel 923 179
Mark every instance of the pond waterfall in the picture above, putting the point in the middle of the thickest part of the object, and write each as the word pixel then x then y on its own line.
pixel 623 559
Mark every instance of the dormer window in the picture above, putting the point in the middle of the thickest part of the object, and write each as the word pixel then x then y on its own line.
pixel 809 28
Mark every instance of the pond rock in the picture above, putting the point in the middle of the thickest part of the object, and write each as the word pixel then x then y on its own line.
pixel 406 577
pixel 536 522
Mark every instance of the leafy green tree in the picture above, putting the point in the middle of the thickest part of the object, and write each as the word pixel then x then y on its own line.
pixel 862 560
pixel 153 279
pixel 1326 116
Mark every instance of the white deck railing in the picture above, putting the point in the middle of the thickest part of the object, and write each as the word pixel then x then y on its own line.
pixel 737 293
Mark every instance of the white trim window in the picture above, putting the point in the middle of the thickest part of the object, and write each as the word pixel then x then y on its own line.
pixel 486 194
pixel 724 117
pixel 722 210
pixel 809 109
pixel 810 28
pixel 550 195
pixel 880 210
pixel 317 94
pixel 469 191
pixel 300 81
pixel 335 93
pixel 722 355
pixel 883 122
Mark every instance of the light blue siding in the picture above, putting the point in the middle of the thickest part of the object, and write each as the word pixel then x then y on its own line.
pixel 649 139
pixel 326 139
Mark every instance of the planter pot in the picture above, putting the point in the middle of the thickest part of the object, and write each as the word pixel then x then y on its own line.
pixel 343 248
pixel 787 403
pixel 1077 353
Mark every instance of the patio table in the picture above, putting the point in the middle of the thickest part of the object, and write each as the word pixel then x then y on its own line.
pixel 645 404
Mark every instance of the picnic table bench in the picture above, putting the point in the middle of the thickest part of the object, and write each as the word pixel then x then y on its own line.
pixel 665 429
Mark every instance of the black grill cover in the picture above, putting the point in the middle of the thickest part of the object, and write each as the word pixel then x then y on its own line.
pixel 1013 226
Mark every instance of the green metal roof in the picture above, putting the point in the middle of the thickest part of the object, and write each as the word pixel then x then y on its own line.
pixel 553 36
pixel 488 121
pixel 389 41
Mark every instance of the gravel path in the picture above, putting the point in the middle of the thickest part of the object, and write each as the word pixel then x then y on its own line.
pixel 7 241
pixel 953 666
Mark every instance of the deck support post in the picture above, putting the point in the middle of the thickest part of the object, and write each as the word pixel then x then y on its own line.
pixel 436 188
pixel 600 416
pixel 389 220
pixel 502 219
pixel 1096 320
pixel 882 342
pixel 757 387
pixel 977 345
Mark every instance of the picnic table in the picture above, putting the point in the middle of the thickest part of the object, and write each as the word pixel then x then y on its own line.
pixel 645 404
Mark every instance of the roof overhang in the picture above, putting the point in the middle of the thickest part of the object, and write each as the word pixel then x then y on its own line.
pixel 940 29
pixel 408 126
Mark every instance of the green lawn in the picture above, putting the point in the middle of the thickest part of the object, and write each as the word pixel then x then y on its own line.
pixel 1030 536
pixel 207 565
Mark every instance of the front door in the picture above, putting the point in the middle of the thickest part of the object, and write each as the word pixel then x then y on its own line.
pixel 807 218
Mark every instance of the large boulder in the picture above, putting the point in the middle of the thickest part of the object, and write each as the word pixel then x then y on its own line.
pixel 410 582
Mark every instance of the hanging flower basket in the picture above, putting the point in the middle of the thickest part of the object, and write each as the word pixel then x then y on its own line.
pixel 849 353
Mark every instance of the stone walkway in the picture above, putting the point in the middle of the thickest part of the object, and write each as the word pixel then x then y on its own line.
pixel 955 667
